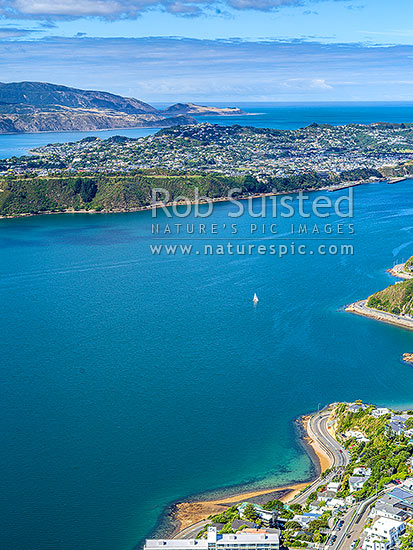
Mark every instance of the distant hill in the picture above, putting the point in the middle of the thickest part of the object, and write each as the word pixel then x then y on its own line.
pixel 43 107
pixel 42 94
pixel 202 110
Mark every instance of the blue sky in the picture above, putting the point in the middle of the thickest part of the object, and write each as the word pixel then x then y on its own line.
pixel 199 50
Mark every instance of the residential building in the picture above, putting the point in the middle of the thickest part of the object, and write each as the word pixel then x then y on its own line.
pixel 257 540
pixel 383 534
pixel 380 412
pixel 356 407
pixel 385 510
pixel 362 471
pixel 356 483
pixel 267 517
pixel 305 519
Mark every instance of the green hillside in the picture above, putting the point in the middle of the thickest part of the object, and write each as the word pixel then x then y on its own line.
pixel 408 266
pixel 397 299
pixel 28 194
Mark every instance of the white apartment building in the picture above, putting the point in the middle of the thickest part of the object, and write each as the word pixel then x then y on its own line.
pixel 383 534
pixel 259 540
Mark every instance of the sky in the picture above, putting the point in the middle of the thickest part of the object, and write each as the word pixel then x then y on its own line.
pixel 233 51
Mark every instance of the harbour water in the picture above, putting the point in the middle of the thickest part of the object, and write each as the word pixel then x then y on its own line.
pixel 131 380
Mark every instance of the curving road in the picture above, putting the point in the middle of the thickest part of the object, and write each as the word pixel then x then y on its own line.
pixel 317 428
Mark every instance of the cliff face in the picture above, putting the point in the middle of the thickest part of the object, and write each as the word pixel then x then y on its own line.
pixel 42 107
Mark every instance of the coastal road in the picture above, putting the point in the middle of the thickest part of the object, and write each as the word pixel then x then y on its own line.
pixel 317 429
pixel 360 308
pixel 354 523
pixel 191 531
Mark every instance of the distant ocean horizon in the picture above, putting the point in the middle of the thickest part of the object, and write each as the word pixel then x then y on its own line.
pixel 131 381
pixel 284 116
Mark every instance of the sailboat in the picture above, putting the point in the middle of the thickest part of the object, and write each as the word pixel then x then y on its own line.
pixel 255 299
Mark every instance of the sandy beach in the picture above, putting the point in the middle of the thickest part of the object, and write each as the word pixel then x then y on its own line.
pixel 188 513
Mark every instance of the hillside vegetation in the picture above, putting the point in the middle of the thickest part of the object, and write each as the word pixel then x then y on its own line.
pixel 108 192
pixel 397 299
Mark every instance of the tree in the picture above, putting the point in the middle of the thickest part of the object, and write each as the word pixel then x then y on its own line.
pixel 317 524
pixel 274 505
pixel 250 513
pixel 292 525
pixel 297 508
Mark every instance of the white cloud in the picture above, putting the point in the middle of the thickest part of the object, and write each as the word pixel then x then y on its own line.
pixel 308 84
pixel 116 9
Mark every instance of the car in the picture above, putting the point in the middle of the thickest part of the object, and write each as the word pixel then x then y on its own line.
pixel 353 545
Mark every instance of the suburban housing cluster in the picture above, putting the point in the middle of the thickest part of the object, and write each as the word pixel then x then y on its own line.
pixel 231 150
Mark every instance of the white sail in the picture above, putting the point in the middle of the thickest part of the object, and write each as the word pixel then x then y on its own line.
pixel 255 299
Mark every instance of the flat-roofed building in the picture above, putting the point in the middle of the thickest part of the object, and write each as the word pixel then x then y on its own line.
pixel 257 540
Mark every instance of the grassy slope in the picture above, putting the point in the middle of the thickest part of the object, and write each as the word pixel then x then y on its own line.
pixel 395 299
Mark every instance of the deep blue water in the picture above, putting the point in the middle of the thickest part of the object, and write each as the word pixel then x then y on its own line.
pixel 130 380
pixel 264 115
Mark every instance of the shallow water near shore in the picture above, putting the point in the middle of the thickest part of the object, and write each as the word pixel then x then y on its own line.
pixel 132 380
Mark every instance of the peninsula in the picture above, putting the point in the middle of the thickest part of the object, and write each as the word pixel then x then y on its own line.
pixel 44 107
pixel 392 305
pixel 117 174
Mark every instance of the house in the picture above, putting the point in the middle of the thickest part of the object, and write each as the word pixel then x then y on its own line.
pixel 356 407
pixel 358 436
pixel 333 486
pixel 408 482
pixel 258 539
pixel 356 483
pixel 401 498
pixel 395 427
pixel 238 523
pixel 268 517
pixel 383 534
pixel 305 519
pixel 362 471
pixel 386 510
pixel 336 504
pixel 380 412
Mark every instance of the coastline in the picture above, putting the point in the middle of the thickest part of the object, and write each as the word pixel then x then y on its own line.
pixel 360 308
pixel 166 205
pixel 398 271
pixel 182 515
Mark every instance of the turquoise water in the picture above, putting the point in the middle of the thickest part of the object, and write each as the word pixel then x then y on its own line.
pixel 131 380
pixel 264 115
